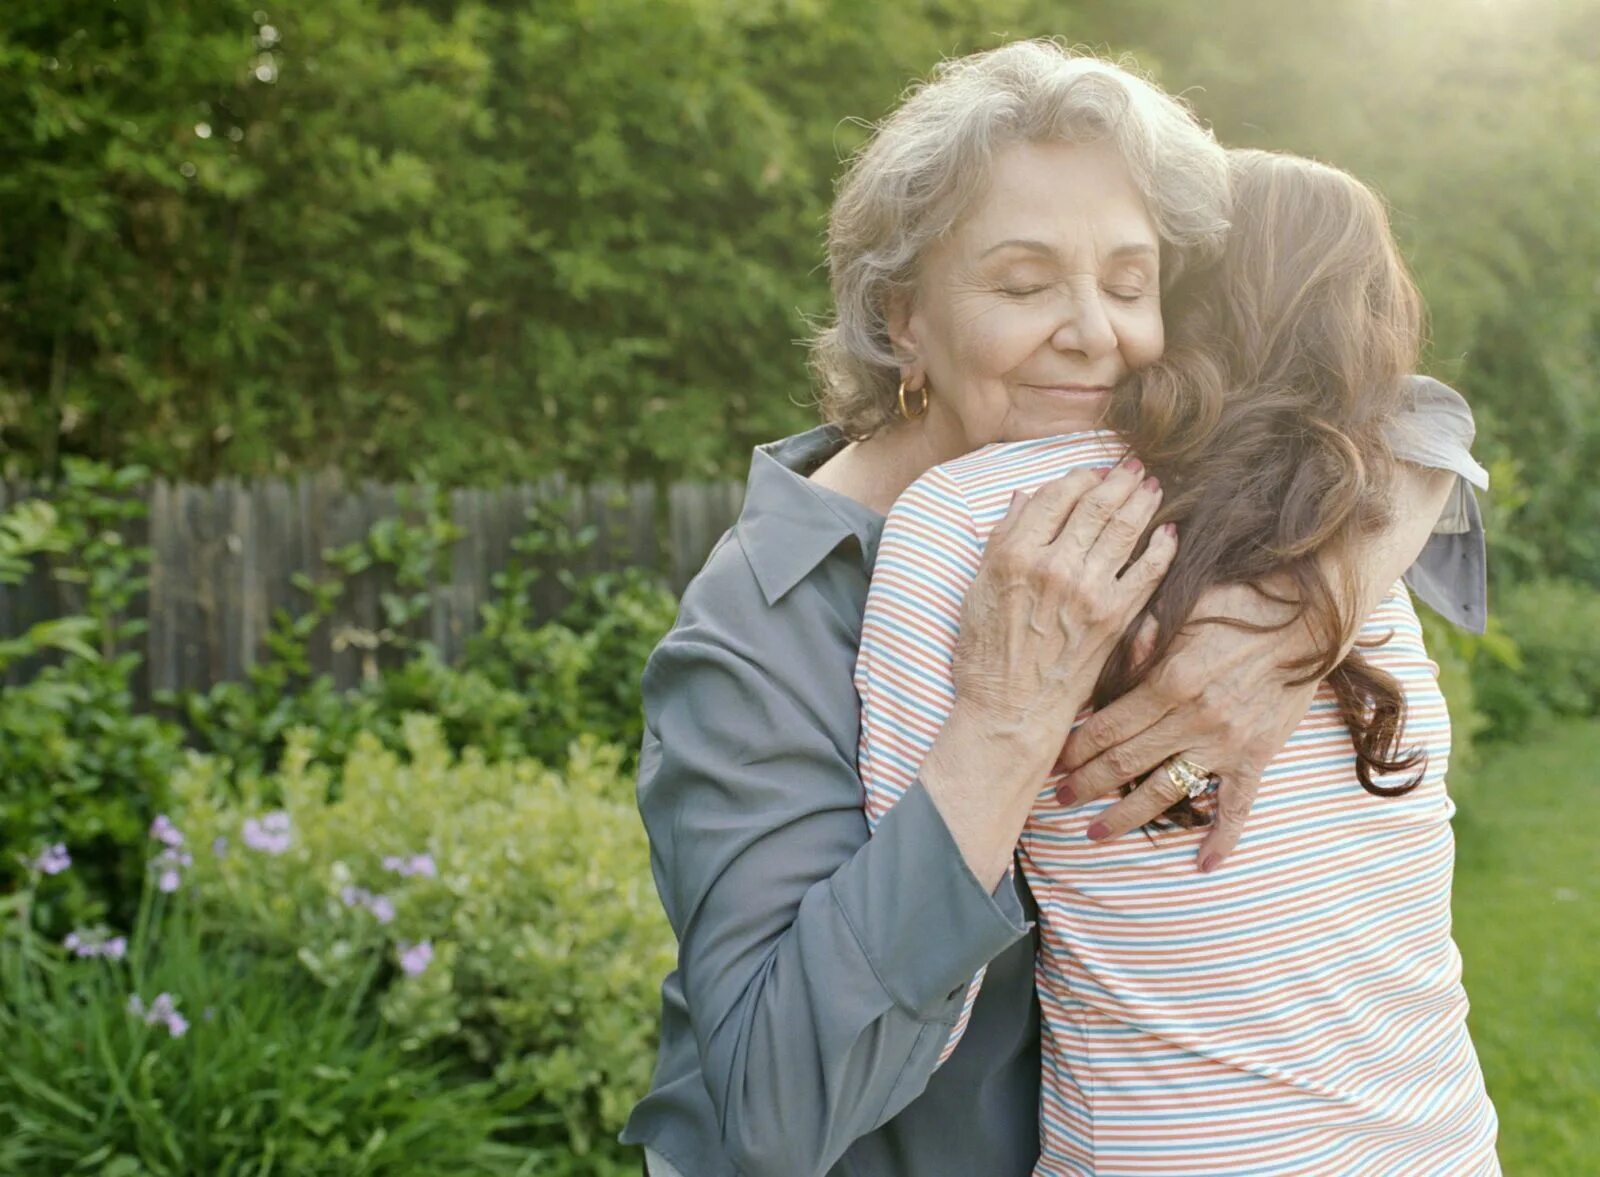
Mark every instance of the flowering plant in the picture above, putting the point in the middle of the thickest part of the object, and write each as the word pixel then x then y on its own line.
pixel 510 904
pixel 180 1048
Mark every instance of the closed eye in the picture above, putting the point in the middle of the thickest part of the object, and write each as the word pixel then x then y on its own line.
pixel 1022 291
pixel 1125 293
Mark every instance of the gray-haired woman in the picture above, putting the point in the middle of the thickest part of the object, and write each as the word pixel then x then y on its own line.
pixel 820 973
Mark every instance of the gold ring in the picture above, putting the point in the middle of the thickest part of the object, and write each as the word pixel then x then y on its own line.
pixel 1194 780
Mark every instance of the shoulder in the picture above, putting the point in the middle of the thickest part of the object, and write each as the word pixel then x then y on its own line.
pixel 803 640
pixel 741 680
pixel 999 469
pixel 977 487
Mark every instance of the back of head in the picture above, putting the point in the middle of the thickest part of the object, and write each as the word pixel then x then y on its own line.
pixel 1286 361
pixel 1267 418
pixel 1314 292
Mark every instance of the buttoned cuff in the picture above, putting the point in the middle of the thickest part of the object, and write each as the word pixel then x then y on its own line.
pixel 922 920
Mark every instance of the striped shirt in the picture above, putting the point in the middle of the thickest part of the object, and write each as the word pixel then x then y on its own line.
pixel 1301 1010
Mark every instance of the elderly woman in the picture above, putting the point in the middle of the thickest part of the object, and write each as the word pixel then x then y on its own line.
pixel 820 973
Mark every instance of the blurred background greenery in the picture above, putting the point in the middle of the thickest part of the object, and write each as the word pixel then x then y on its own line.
pixel 489 240
pixel 476 241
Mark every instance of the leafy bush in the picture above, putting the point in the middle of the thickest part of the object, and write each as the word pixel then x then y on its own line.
pixel 579 672
pixel 523 893
pixel 186 1052
pixel 76 762
pixel 1555 625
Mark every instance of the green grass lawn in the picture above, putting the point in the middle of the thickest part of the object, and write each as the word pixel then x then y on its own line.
pixel 1527 918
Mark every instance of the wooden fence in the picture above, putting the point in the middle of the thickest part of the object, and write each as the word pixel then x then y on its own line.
pixel 223 557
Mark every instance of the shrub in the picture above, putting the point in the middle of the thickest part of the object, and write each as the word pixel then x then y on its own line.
pixel 1555 625
pixel 579 672
pixel 76 763
pixel 520 893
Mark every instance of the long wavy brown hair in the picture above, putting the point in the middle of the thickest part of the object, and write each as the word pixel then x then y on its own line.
pixel 1266 422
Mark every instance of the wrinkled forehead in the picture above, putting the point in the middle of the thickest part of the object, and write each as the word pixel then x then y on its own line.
pixel 1075 201
pixel 1071 203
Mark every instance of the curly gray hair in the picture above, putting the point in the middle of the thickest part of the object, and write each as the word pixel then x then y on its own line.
pixel 928 162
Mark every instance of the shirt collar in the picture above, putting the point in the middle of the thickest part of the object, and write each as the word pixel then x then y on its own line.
pixel 789 524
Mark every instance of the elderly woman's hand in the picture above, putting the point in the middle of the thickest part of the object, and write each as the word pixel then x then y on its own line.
pixel 1223 699
pixel 1048 604
pixel 1053 593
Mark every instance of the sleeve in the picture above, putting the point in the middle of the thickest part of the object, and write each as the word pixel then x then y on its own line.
pixel 821 971
pixel 927 559
pixel 1436 430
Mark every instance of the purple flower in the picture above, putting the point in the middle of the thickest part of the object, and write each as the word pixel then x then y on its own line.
pixel 416 864
pixel 271 833
pixel 53 860
pixel 415 958
pixel 170 862
pixel 219 845
pixel 162 830
pixel 163 1011
pixel 381 906
pixel 95 942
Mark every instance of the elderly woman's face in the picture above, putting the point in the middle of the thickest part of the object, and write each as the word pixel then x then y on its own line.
pixel 1044 297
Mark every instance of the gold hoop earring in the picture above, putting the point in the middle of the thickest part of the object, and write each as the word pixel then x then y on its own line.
pixel 906 410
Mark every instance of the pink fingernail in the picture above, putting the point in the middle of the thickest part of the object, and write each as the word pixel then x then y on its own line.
pixel 1171 529
pixel 1102 472
pixel 1132 465
pixel 1152 483
pixel 1065 796
pixel 1209 863
pixel 1097 830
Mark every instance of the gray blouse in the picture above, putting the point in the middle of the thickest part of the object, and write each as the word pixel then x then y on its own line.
pixel 825 969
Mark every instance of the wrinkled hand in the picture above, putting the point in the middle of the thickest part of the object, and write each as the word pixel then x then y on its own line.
pixel 1221 699
pixel 1048 604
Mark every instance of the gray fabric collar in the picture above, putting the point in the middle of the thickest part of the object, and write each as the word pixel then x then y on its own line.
pixel 789 524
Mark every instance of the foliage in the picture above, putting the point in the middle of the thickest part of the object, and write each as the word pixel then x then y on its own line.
pixel 76 762
pixel 1555 625
pixel 248 1066
pixel 579 672
pixel 545 938
pixel 1463 115
pixel 523 687
pixel 1452 650
pixel 547 942
pixel 481 241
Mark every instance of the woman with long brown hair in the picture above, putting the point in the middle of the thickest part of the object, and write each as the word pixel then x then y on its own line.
pixel 1301 1009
